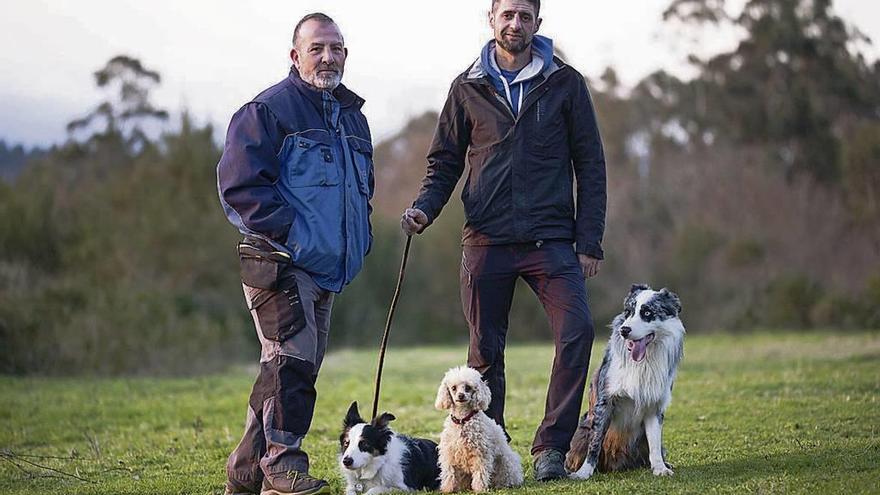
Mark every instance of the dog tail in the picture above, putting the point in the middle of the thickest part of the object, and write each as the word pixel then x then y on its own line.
pixel 580 442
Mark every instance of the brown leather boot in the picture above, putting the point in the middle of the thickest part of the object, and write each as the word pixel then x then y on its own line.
pixel 294 483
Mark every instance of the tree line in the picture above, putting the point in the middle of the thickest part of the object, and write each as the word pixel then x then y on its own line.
pixel 752 190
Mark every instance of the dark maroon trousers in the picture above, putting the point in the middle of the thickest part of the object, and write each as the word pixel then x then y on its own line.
pixel 551 269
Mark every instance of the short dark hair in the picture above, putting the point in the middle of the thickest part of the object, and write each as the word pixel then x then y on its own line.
pixel 536 3
pixel 315 16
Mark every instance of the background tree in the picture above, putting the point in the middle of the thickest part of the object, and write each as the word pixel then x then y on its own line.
pixel 122 117
pixel 797 83
pixel 751 190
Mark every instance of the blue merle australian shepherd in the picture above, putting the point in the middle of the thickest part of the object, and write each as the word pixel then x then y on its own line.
pixel 622 428
pixel 374 459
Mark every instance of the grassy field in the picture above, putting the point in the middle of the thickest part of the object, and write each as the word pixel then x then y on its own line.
pixel 758 413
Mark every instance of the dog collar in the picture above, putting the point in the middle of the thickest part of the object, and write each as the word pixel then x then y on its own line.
pixel 462 420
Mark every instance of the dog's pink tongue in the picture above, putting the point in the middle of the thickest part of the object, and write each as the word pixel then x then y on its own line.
pixel 639 349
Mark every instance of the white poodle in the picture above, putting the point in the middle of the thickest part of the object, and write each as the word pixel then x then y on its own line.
pixel 474 453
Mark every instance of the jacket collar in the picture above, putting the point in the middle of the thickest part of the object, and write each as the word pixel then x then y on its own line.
pixel 543 62
pixel 345 97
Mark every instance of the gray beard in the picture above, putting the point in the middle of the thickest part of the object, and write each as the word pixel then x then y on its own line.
pixel 323 82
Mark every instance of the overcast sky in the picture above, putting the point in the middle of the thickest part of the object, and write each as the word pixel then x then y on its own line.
pixel 215 55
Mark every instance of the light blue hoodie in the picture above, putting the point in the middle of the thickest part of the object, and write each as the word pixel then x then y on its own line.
pixel 515 91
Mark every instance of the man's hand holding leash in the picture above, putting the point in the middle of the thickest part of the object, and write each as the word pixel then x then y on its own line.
pixel 413 221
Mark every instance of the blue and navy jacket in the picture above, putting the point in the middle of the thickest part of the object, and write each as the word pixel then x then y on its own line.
pixel 297 171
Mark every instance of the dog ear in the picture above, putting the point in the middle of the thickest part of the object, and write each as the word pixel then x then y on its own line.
pixel 633 292
pixel 483 395
pixel 444 400
pixel 670 299
pixel 352 417
pixel 636 288
pixel 382 421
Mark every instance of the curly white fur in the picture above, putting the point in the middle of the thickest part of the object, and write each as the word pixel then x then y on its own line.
pixel 474 455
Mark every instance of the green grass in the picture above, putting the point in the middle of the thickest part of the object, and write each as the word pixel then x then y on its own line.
pixel 756 413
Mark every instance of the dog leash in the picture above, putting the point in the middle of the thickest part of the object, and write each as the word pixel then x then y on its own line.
pixel 388 324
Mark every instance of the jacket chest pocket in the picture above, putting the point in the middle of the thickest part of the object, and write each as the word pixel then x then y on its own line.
pixel 310 160
pixel 362 152
pixel 549 129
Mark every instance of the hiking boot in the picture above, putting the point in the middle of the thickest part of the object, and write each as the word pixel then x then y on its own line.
pixel 294 483
pixel 241 488
pixel 549 465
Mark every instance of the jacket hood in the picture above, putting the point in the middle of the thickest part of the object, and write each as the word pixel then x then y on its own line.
pixel 542 61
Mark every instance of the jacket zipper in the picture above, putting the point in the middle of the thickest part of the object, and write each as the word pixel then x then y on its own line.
pixel 515 120
pixel 507 107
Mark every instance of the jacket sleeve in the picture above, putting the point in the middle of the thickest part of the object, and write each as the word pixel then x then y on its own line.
pixel 446 157
pixel 588 160
pixel 249 170
pixel 372 188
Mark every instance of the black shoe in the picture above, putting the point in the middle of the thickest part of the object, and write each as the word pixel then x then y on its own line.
pixel 241 488
pixel 294 483
pixel 549 465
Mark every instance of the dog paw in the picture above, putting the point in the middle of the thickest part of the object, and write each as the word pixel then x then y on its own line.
pixel 583 473
pixel 662 470
pixel 479 487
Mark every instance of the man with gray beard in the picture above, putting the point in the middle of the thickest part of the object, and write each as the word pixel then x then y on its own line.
pixel 296 179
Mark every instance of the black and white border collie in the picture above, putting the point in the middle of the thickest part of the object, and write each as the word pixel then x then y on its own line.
pixel 373 459
pixel 622 428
